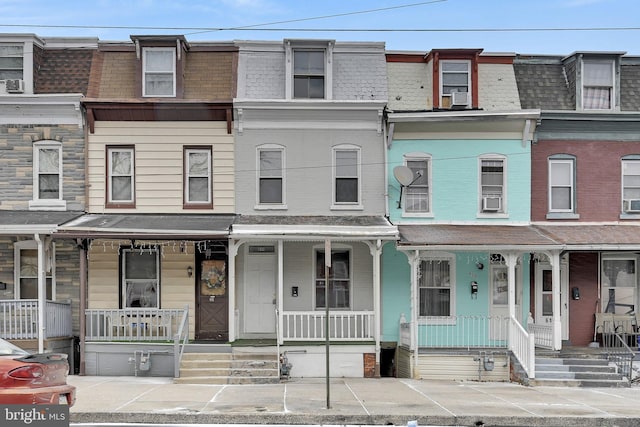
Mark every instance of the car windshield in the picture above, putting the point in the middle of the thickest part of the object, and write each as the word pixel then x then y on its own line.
pixel 6 348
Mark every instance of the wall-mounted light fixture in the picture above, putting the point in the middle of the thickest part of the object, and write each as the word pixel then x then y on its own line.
pixel 3 286
pixel 189 271
pixel 479 265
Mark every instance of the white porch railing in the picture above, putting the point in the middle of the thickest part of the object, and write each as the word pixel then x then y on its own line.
pixel 132 324
pixel 343 325
pixel 19 319
pixel 543 334
pixel 522 345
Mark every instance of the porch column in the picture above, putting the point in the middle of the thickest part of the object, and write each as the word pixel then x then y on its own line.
pixel 233 252
pixel 413 263
pixel 554 259
pixel 511 259
pixel 375 248
pixel 280 300
pixel 42 293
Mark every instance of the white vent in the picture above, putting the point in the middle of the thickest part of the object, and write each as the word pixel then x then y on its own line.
pixel 14 85
pixel 491 203
pixel 632 205
pixel 459 98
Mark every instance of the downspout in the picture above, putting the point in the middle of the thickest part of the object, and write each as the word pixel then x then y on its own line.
pixel 233 250
pixel 41 293
pixel 83 302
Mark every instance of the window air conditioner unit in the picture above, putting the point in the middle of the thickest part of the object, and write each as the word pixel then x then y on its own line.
pixel 632 205
pixel 459 98
pixel 491 203
pixel 14 85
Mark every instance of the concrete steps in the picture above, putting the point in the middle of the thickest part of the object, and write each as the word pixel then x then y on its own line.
pixel 228 368
pixel 577 372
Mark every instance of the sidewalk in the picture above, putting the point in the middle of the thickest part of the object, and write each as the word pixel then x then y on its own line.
pixel 354 401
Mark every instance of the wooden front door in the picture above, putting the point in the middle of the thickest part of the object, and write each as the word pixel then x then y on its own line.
pixel 212 294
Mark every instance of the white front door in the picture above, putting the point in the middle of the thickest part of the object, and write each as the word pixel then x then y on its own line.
pixel 544 297
pixel 260 295
pixel 499 299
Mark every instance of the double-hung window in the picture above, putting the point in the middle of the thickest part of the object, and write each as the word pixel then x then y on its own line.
pixel 308 73
pixel 346 188
pixel 597 85
pixel 455 83
pixel 198 177
pixel 159 72
pixel 435 279
pixel 631 185
pixel 417 196
pixel 140 278
pixel 339 279
pixel 561 184
pixel 270 175
pixel 47 176
pixel 492 185
pixel 120 170
pixel 11 61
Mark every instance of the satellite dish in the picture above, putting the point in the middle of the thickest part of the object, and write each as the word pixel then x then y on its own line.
pixel 403 174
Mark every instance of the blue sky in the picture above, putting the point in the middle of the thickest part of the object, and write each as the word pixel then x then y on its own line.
pixel 446 20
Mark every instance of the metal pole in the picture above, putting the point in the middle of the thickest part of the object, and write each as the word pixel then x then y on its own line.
pixel 327 269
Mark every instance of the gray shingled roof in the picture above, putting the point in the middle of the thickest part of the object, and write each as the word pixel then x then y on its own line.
pixel 543 86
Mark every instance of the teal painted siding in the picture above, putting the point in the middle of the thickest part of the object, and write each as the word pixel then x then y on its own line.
pixel 455 179
pixel 396 291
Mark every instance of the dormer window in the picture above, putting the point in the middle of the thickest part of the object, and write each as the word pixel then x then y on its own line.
pixel 308 69
pixel 159 72
pixel 597 85
pixel 11 62
pixel 455 79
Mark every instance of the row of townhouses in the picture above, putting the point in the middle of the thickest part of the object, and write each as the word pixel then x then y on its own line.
pixel 440 214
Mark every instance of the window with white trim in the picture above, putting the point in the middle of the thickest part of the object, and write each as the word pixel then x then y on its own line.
pixel 339 279
pixel 159 71
pixel 561 184
pixel 47 176
pixel 346 167
pixel 120 170
pixel 417 194
pixel 631 185
pixel 198 176
pixel 435 287
pixel 597 84
pixel 492 185
pixel 308 69
pixel 26 270
pixel 140 284
pixel 270 175
pixel 11 61
pixel 455 83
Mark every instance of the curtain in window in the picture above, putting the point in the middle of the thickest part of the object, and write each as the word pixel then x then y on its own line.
pixel 596 98
pixel 435 288
pixel 121 175
pixel 618 280
pixel 198 176
pixel 597 84
pixel 48 178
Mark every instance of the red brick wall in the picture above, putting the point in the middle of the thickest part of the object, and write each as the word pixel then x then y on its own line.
pixel 369 365
pixel 583 274
pixel 598 176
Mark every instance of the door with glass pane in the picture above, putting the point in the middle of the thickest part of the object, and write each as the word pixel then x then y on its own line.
pixel 544 297
pixel 26 258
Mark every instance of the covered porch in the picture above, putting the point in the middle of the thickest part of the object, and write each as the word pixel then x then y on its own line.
pixel 284 280
pixel 486 310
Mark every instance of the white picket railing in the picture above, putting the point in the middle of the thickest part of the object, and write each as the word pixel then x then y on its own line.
pixel 19 319
pixel 132 324
pixel 522 345
pixel 543 334
pixel 343 325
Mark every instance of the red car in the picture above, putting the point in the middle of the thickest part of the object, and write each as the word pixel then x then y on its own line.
pixel 28 379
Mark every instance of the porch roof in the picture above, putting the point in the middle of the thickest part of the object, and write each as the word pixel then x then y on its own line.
pixel 32 222
pixel 594 236
pixel 183 226
pixel 313 227
pixel 475 237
